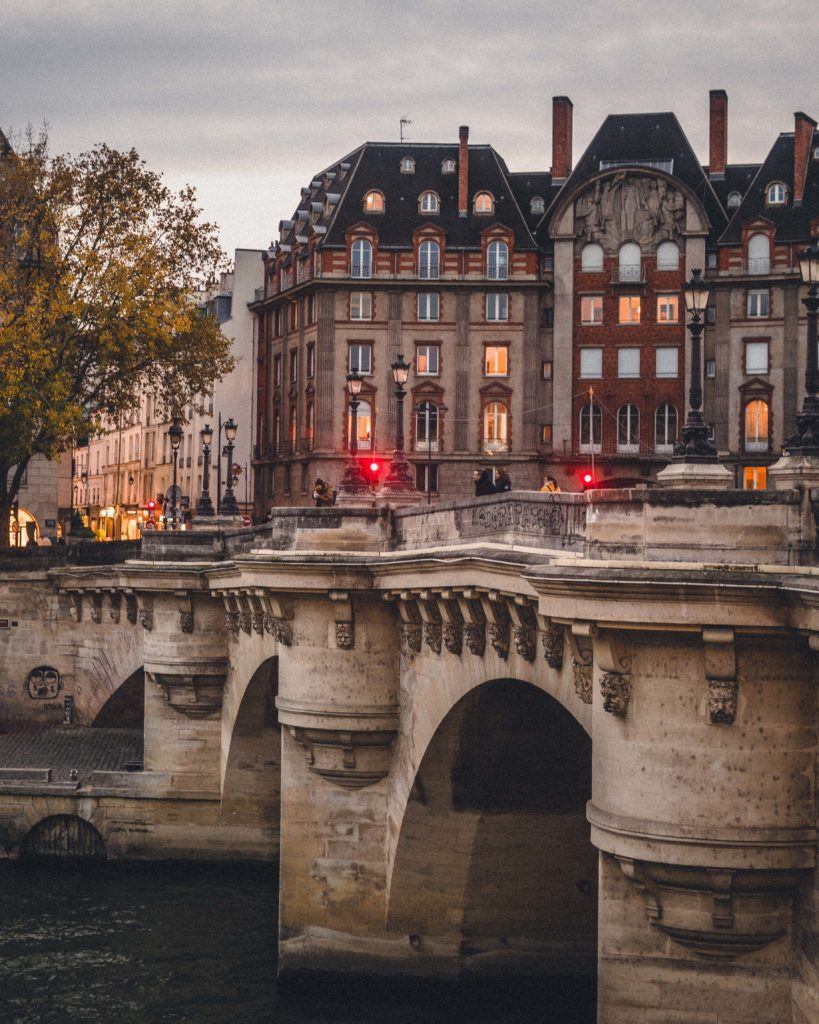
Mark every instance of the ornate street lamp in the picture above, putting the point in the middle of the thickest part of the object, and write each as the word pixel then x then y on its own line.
pixel 229 506
pixel 175 435
pixel 204 507
pixel 399 480
pixel 353 483
pixel 696 446
pixel 805 439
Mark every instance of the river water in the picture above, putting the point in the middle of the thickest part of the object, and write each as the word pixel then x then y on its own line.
pixel 170 942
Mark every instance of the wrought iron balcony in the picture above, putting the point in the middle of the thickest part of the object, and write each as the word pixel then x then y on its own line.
pixel 491 446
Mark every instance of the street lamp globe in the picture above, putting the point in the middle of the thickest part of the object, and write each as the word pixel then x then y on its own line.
pixel 696 294
pixel 354 383
pixel 230 430
pixel 175 434
pixel 809 265
pixel 400 371
pixel 206 434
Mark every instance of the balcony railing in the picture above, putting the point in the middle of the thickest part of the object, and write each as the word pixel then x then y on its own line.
pixel 758 265
pixel 497 271
pixel 430 271
pixel 756 444
pixel 426 446
pixel 590 448
pixel 627 448
pixel 628 273
pixel 491 446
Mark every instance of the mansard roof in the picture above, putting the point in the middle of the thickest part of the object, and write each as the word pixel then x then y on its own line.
pixel 738 178
pixel 792 223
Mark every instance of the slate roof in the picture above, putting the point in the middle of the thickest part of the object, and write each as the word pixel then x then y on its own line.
pixel 738 178
pixel 792 222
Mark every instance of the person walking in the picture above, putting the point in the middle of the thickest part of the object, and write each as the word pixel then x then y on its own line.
pixel 503 482
pixel 482 479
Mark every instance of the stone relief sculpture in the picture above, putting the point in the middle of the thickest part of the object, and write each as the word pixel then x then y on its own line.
pixel 722 701
pixel 629 208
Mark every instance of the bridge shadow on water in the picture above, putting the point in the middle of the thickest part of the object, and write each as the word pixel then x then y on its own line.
pixel 176 942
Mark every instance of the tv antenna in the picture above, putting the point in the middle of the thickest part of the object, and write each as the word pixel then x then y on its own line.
pixel 404 121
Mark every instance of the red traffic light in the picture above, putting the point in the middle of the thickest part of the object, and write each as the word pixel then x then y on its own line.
pixel 587 479
pixel 374 467
pixel 151 505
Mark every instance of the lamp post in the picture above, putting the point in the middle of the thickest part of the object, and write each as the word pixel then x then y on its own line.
pixel 204 507
pixel 353 486
pixel 229 506
pixel 399 482
pixel 175 435
pixel 805 439
pixel 696 446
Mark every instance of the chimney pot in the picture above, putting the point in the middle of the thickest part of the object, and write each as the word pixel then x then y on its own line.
pixel 803 129
pixel 463 171
pixel 562 108
pixel 718 133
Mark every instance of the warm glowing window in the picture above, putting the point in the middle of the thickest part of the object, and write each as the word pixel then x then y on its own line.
pixel 310 423
pixel 755 478
pixel 496 361
pixel 629 309
pixel 591 309
pixel 427 360
pixel 429 203
pixel 756 426
pixel 495 423
pixel 668 309
pixel 484 203
pixel 364 425
pixel 374 202
pixel 292 430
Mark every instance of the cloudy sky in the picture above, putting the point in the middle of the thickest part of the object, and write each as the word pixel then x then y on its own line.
pixel 247 99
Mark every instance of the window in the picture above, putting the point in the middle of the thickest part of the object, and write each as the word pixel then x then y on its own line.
pixel 665 429
pixel 628 429
pixel 362 258
pixel 668 256
pixel 429 306
pixel 294 365
pixel 374 202
pixel 667 361
pixel 360 358
pixel 710 368
pixel 292 427
pixel 628 362
pixel 497 306
pixel 428 203
pixel 448 166
pixel 294 315
pixel 364 425
pixel 361 306
pixel 591 428
pixel 668 309
pixel 710 314
pixel 591 258
pixel 407 165
pixel 277 326
pixel 629 309
pixel 536 204
pixel 484 203
pixel 497 261
pixel 429 260
pixel 776 194
pixel 546 369
pixel 734 200
pixel 426 477
pixel 755 478
pixel 630 262
pixel 759 303
pixel 495 428
pixel 310 367
pixel 756 426
pixel 759 254
pixel 277 371
pixel 756 357
pixel 496 361
pixel 591 309
pixel 546 434
pixel 427 360
pixel 426 427
pixel 591 363
pixel 310 424
pixel 311 309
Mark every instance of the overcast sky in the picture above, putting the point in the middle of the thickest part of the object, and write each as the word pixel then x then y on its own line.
pixel 247 99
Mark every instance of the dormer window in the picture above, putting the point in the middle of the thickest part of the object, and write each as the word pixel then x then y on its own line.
pixel 734 199
pixel 448 166
pixel 408 165
pixel 429 203
pixel 536 204
pixel 776 194
pixel 484 203
pixel 374 202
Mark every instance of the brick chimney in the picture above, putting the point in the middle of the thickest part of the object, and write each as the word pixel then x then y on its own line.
pixel 463 171
pixel 562 108
pixel 803 128
pixel 718 133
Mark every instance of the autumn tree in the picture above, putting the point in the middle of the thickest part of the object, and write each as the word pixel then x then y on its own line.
pixel 100 263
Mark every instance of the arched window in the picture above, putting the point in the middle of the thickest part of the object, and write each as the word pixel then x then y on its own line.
pixel 428 203
pixel 734 200
pixel 361 258
pixel 497 261
pixel 426 427
pixel 448 166
pixel 759 254
pixel 757 430
pixel 776 194
pixel 407 165
pixel 495 428
pixel 374 202
pixel 630 262
pixel 591 428
pixel 536 204
pixel 429 259
pixel 484 203
pixel 591 258
pixel 665 428
pixel 628 429
pixel 668 256
pixel 310 424
pixel 364 426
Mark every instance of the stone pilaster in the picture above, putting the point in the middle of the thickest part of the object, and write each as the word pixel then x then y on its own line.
pixel 328 432
pixel 460 432
pixel 723 356
pixel 531 371
pixel 791 392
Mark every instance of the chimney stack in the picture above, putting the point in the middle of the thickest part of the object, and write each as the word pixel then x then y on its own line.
pixel 718 133
pixel 803 128
pixel 463 171
pixel 562 108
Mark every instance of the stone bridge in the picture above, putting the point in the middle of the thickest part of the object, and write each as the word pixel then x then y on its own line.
pixel 528 733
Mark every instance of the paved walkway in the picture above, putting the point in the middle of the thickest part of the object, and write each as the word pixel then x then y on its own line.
pixel 62 748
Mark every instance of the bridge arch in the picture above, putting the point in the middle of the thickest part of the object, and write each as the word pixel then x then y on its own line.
pixel 493 863
pixel 125 706
pixel 63 836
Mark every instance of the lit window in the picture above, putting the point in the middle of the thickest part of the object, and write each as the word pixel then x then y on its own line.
pixel 497 306
pixel 546 433
pixel 591 363
pixel 546 368
pixel 755 478
pixel 497 261
pixel 665 429
pixel 429 306
pixel 448 166
pixel 628 429
pixel 756 426
pixel 591 258
pixel 734 200
pixel 361 258
pixel 668 256
pixel 668 361
pixel 495 428
pixel 428 203
pixel 427 360
pixel 429 260
pixel 629 262
pixel 310 424
pixel 374 202
pixel 496 361
pixel 361 306
pixel 759 303
pixel 629 309
pixel 628 362
pixel 484 203
pixel 591 428
pixel 360 358
pixel 426 427
pixel 776 194
pixel 591 309
pixel 364 425
pixel 536 204
pixel 408 165
pixel 756 357
pixel 293 425
pixel 759 254
pixel 668 309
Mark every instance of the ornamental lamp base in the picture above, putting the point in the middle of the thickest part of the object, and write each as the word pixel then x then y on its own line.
pixel 696 475
pixel 398 489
